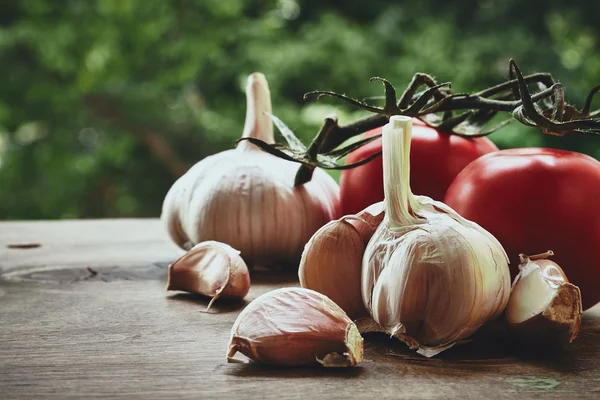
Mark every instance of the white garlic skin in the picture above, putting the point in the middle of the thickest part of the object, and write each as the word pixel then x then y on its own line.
pixel 246 197
pixel 430 277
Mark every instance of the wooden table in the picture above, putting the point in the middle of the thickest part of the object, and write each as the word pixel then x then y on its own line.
pixel 84 313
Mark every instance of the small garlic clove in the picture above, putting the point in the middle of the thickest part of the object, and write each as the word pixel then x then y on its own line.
pixel 293 327
pixel 544 308
pixel 332 259
pixel 211 269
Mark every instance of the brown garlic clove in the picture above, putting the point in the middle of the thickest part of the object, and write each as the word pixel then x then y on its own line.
pixel 293 327
pixel 544 307
pixel 331 263
pixel 211 269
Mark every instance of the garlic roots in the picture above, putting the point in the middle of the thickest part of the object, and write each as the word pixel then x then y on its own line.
pixel 246 197
pixel 430 277
pixel 211 269
pixel 544 308
pixel 332 259
pixel 293 327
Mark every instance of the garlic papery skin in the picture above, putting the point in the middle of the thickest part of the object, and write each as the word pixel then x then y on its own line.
pixel 211 269
pixel 246 197
pixel 293 327
pixel 331 262
pixel 430 277
pixel 544 308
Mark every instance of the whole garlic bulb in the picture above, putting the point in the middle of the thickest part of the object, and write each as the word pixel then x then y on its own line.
pixel 430 277
pixel 246 198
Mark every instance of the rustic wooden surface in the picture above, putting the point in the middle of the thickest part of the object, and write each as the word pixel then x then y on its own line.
pixel 84 314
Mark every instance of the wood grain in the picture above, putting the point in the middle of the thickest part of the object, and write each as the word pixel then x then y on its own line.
pixel 118 334
pixel 100 244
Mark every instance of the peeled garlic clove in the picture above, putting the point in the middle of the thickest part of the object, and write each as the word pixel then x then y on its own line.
pixel 332 259
pixel 544 307
pixel 211 269
pixel 296 326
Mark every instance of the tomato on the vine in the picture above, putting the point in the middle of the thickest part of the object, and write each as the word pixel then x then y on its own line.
pixel 535 200
pixel 435 160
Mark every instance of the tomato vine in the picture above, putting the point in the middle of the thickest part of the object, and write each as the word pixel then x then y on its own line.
pixel 462 114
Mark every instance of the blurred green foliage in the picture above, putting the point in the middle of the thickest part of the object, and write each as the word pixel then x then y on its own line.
pixel 93 92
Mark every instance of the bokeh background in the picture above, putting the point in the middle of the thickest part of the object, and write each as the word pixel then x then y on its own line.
pixel 103 104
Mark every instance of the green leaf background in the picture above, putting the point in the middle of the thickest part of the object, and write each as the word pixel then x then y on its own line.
pixel 87 86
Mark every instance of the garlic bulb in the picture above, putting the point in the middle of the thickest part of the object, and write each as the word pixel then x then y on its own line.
pixel 331 262
pixel 246 198
pixel 211 269
pixel 430 277
pixel 544 308
pixel 296 326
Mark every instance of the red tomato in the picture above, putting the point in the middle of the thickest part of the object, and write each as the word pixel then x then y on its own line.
pixel 535 200
pixel 435 160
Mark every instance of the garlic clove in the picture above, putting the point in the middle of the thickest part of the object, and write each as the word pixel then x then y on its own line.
pixel 543 306
pixel 331 262
pixel 211 269
pixel 293 327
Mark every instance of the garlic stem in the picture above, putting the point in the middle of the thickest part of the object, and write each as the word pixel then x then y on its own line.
pixel 400 203
pixel 542 256
pixel 258 123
